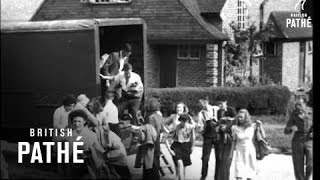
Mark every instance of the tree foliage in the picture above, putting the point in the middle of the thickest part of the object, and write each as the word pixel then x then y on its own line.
pixel 243 50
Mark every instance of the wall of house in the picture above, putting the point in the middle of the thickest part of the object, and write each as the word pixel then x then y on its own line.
pixel 152 67
pixel 309 63
pixel 191 73
pixel 290 66
pixel 229 14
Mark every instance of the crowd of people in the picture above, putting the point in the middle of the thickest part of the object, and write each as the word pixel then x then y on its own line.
pixel 232 133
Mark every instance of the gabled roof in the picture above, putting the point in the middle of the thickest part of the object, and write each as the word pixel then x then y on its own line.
pixel 211 6
pixel 194 9
pixel 167 20
pixel 18 10
pixel 281 31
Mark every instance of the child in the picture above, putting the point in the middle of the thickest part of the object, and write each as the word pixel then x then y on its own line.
pixel 182 146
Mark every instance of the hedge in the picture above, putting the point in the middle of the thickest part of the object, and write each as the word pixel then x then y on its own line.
pixel 259 100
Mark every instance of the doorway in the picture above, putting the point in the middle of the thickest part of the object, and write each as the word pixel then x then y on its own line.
pixel 113 39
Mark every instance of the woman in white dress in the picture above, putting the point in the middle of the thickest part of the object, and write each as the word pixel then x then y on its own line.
pixel 245 153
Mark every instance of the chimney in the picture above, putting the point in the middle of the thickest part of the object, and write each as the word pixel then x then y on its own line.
pixel 262 13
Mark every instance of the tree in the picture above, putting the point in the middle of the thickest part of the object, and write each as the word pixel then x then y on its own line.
pixel 243 51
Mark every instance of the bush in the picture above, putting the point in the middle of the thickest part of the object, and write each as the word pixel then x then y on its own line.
pixel 258 100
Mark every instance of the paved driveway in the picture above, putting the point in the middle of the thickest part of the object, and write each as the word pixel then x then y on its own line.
pixel 272 167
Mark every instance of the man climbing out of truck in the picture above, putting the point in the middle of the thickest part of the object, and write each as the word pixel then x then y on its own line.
pixel 111 65
pixel 132 90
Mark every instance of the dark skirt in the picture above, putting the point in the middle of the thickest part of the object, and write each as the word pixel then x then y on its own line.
pixel 182 152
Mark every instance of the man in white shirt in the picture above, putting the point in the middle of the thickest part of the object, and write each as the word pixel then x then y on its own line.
pixel 111 112
pixel 132 91
pixel 207 112
pixel 207 122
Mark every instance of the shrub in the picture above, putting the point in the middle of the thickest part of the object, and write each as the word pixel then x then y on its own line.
pixel 258 100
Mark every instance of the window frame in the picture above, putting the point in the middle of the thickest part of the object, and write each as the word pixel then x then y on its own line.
pixel 242 14
pixel 275 48
pixel 189 47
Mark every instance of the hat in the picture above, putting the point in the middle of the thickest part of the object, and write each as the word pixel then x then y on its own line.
pixel 83 98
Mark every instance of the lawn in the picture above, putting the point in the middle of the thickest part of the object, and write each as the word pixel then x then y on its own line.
pixel 273 124
pixel 274 127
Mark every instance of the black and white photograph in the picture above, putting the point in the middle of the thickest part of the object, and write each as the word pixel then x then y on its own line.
pixel 157 89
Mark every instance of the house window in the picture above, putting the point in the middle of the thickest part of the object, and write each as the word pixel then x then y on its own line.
pixel 106 1
pixel 271 48
pixel 189 52
pixel 242 14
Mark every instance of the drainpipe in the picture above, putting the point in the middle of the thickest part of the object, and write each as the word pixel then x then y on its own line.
pixel 262 12
pixel 261 26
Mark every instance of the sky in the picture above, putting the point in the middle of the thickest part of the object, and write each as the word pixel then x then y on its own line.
pixel 18 10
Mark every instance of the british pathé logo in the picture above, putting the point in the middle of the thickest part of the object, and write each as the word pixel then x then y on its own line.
pixel 297 19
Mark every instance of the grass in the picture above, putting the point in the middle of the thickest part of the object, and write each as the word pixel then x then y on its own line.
pixel 274 127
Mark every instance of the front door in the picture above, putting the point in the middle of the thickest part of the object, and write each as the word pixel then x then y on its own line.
pixel 168 66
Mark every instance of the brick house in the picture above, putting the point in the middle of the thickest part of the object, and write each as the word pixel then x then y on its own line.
pixel 184 37
pixel 247 12
pixel 289 52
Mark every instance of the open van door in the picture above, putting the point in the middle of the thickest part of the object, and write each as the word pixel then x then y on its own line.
pixel 44 60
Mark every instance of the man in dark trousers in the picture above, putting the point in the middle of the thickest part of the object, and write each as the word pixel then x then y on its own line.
pixel 225 147
pixel 300 123
pixel 207 125
pixel 132 90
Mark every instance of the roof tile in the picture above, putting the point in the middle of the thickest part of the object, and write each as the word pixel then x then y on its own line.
pixel 166 19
